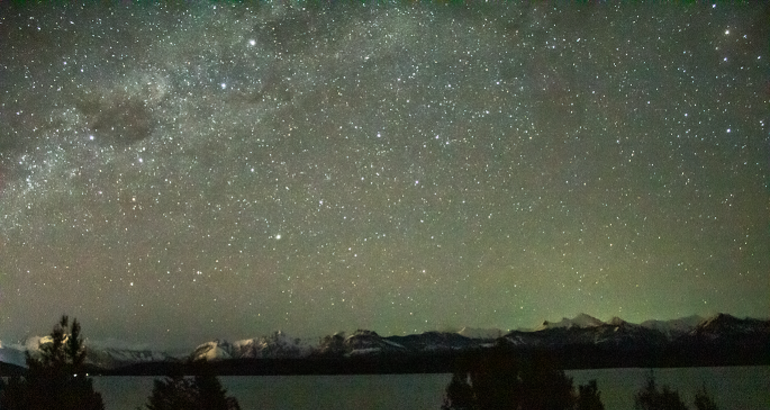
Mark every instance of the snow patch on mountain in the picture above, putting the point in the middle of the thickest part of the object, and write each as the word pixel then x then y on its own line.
pixel 215 350
pixel 277 345
pixel 365 351
pixel 105 354
pixel 394 344
pixel 723 326
pixel 478 333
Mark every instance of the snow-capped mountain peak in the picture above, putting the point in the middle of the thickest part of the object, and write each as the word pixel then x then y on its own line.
pixel 674 327
pixel 279 344
pixel 580 321
pixel 616 321
pixel 214 350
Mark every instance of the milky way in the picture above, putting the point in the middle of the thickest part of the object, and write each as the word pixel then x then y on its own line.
pixel 171 175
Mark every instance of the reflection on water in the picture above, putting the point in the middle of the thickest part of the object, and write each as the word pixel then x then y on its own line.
pixel 732 387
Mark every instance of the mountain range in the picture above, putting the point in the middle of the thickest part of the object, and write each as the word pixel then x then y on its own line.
pixel 581 342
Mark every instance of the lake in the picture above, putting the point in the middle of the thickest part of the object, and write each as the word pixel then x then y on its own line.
pixel 744 387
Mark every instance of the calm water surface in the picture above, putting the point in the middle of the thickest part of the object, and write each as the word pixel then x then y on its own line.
pixel 733 388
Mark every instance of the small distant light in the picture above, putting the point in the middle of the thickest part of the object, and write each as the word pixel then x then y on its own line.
pixel 253 42
pixel 727 32
pixel 277 236
pixel 223 85
pixel 91 137
pixel 729 130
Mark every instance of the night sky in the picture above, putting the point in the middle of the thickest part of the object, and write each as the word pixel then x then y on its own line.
pixel 171 175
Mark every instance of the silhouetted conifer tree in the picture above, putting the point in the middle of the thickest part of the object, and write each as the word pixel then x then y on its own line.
pixel 704 401
pixel 459 394
pixel 544 386
pixel 500 380
pixel 57 379
pixel 651 398
pixel 202 392
pixel 589 397
pixel 173 392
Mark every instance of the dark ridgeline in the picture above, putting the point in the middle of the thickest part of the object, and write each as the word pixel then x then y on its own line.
pixel 720 341
pixel 55 380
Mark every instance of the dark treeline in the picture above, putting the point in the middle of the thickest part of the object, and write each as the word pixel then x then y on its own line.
pixel 501 379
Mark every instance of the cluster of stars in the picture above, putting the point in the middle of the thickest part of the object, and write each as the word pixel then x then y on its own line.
pixel 395 168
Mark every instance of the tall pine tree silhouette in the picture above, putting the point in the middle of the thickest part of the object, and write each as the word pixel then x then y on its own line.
pixel 55 380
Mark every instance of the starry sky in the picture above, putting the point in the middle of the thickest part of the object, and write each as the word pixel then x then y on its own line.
pixel 175 174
